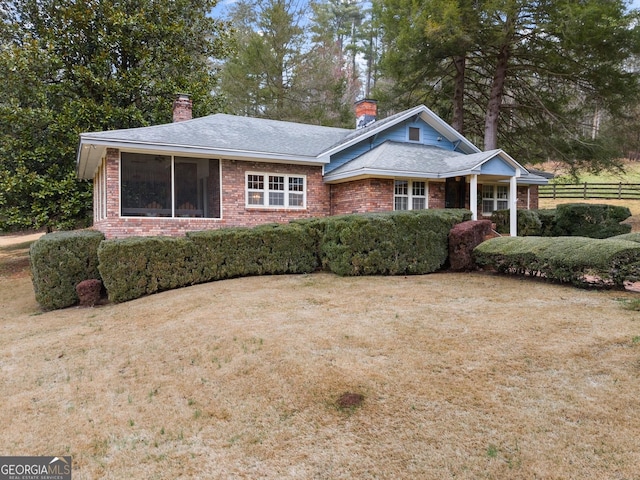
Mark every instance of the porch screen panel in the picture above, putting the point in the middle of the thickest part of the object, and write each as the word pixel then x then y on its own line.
pixel 145 185
pixel 197 187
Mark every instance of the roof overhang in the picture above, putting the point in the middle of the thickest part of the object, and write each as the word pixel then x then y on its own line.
pixel 92 150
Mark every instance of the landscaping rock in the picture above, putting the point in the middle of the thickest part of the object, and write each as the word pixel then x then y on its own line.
pixel 89 292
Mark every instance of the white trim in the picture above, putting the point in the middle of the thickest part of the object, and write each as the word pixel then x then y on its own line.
pixel 473 197
pixel 513 207
pixel 265 191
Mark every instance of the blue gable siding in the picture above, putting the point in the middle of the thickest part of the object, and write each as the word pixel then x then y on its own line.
pixel 397 133
pixel 497 166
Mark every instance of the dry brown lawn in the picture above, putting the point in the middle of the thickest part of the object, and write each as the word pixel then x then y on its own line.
pixel 460 375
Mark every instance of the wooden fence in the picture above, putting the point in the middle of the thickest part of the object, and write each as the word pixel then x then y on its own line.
pixel 605 191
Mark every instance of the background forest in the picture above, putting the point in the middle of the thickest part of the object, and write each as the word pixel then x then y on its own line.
pixel 544 80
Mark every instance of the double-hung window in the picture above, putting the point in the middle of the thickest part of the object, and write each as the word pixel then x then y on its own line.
pixel 410 195
pixel 494 197
pixel 277 191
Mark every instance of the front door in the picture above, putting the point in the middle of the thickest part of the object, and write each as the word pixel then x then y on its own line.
pixel 455 193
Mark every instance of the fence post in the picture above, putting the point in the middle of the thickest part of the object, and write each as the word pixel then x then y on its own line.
pixel 585 190
pixel 554 191
pixel 620 191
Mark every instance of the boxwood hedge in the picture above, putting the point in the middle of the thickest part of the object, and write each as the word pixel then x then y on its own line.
pixel 61 260
pixel 568 219
pixel 388 244
pixel 578 260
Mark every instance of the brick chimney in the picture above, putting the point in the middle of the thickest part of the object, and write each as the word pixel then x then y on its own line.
pixel 182 108
pixel 366 111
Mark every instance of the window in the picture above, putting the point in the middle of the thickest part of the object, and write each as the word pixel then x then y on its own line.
pixel 284 191
pixel 494 197
pixel 410 195
pixel 414 134
pixel 167 186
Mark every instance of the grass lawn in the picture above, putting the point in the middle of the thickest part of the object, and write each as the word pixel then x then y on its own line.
pixel 462 376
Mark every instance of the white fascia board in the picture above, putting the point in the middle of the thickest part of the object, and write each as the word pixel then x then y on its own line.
pixel 446 130
pixel 377 173
pixel 202 151
pixel 374 131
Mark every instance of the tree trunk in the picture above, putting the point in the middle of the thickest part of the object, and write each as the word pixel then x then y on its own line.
pixel 495 100
pixel 459 63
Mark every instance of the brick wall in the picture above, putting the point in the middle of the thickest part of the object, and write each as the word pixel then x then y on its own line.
pixel 436 194
pixel 234 212
pixel 369 195
pixel 360 196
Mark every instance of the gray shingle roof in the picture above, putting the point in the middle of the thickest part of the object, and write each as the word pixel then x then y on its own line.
pixel 232 133
pixel 412 159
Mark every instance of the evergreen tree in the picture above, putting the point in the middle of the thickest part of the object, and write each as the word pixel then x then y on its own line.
pixel 69 67
pixel 523 75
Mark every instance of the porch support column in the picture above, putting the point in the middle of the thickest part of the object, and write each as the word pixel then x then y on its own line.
pixel 513 206
pixel 473 197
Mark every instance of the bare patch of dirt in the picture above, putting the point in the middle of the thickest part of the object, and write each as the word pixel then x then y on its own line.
pixel 350 400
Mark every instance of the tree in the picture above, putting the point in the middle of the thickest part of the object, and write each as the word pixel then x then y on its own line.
pixel 259 80
pixel 70 67
pixel 530 72
pixel 287 67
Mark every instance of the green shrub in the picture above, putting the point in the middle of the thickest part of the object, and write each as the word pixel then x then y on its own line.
pixel 137 266
pixel 632 237
pixel 388 243
pixel 61 260
pixel 591 220
pixel 578 260
pixel 267 249
pixel 547 217
pixel 528 222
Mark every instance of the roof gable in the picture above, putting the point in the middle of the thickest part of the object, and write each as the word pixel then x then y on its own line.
pixel 393 159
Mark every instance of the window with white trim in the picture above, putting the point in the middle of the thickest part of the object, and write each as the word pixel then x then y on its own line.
pixel 278 191
pixel 410 195
pixel 414 134
pixel 494 197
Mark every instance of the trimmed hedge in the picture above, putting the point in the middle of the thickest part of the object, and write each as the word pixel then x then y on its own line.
pixel 591 220
pixel 263 250
pixel 59 262
pixel 397 243
pixel 386 243
pixel 632 237
pixel 568 219
pixel 578 260
pixel 137 266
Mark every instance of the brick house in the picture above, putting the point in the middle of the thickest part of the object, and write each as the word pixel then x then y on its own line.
pixel 225 170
